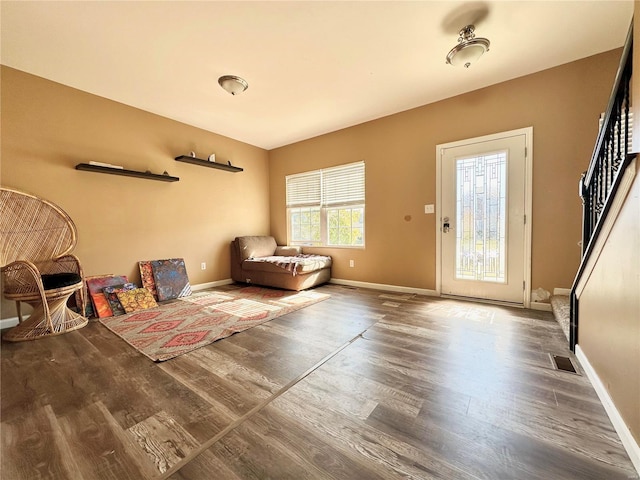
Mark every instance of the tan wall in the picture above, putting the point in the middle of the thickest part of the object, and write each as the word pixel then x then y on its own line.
pixel 609 333
pixel 562 104
pixel 48 128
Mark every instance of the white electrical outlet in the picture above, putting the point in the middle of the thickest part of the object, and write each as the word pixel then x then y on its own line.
pixel 428 208
pixel 203 266
pixel 352 263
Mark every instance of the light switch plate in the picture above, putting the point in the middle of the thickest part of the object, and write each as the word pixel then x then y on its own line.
pixel 429 208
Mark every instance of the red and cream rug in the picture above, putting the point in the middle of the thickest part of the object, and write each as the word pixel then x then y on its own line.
pixel 192 322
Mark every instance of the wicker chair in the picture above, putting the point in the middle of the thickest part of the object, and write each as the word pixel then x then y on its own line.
pixel 36 238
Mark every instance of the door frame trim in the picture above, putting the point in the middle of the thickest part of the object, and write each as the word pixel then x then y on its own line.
pixel 528 187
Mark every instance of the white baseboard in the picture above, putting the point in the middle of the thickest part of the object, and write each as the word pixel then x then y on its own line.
pixel 628 441
pixel 540 306
pixel 382 286
pixel 10 322
pixel 562 291
pixel 217 283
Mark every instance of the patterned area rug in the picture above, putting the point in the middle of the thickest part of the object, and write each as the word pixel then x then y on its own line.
pixel 192 322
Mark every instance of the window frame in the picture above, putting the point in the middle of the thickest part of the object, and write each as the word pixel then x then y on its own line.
pixel 326 190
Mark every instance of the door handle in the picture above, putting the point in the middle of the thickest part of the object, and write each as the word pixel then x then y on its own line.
pixel 445 225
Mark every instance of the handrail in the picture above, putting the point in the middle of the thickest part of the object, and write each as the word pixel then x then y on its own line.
pixel 623 73
pixel 599 184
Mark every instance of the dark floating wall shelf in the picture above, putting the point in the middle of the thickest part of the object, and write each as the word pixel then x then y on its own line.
pixel 206 163
pixel 127 173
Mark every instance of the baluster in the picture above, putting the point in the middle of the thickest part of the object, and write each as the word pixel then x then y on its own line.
pixel 620 125
pixel 627 132
pixel 594 204
pixel 606 166
pixel 601 168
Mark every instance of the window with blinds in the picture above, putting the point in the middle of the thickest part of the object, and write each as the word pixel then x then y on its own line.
pixel 326 207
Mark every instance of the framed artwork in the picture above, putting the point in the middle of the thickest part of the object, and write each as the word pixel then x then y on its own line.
pixel 146 275
pixel 171 279
pixel 136 299
pixel 112 297
pixel 96 285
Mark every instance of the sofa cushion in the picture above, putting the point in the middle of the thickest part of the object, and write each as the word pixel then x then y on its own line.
pixel 256 246
pixel 287 265
pixel 288 251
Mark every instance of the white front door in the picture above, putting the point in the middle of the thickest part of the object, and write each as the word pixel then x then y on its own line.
pixel 483 185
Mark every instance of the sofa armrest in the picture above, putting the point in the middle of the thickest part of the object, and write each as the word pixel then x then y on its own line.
pixel 288 251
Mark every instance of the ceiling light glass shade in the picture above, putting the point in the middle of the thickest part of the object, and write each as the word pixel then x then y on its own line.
pixel 232 84
pixel 469 48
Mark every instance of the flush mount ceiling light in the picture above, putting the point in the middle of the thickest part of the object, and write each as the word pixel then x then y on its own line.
pixel 232 84
pixel 469 48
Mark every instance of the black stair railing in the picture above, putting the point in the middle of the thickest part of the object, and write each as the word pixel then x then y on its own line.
pixel 611 156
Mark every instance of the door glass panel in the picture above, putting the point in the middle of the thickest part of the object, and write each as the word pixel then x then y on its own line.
pixel 481 194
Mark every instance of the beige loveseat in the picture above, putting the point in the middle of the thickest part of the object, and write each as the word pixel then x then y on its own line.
pixel 259 260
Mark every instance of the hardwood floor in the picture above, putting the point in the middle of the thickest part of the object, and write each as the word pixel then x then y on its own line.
pixel 365 385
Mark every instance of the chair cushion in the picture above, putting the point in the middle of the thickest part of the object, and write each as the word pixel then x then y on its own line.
pixel 58 280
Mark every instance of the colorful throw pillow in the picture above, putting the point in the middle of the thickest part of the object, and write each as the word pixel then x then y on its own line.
pixel 112 297
pixel 137 299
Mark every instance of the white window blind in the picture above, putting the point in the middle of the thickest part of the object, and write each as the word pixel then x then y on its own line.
pixel 304 189
pixel 343 185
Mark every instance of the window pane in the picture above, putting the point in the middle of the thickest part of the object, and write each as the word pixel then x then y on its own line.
pixel 356 217
pixel 304 227
pixel 481 218
pixel 333 236
pixel 315 233
pixel 346 226
pixel 332 219
pixel 358 236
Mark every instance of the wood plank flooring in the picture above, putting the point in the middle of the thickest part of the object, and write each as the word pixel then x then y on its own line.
pixel 366 385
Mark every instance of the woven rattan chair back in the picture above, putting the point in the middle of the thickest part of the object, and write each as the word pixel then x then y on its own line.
pixel 36 240
pixel 33 229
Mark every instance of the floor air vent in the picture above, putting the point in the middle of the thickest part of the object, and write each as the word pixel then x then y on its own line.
pixel 563 363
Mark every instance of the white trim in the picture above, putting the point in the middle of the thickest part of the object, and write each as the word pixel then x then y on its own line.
pixel 528 202
pixel 562 291
pixel 382 286
pixel 629 443
pixel 486 301
pixel 217 283
pixel 438 217
pixel 11 322
pixel 546 307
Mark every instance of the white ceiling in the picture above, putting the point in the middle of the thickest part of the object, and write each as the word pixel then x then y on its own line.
pixel 312 66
